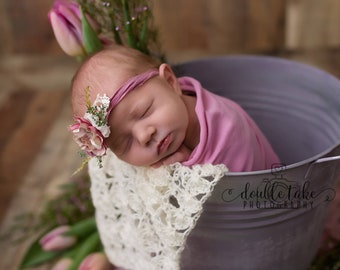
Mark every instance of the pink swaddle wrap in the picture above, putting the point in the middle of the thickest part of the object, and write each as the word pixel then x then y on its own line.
pixel 228 135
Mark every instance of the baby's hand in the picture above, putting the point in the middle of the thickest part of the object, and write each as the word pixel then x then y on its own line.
pixel 182 154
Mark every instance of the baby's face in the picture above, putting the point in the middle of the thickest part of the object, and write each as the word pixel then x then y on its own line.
pixel 149 124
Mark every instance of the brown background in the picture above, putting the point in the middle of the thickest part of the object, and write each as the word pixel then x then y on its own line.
pixel 36 152
pixel 193 28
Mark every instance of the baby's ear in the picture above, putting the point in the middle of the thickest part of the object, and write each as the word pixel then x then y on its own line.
pixel 166 72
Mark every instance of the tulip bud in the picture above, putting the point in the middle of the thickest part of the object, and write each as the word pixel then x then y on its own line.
pixel 62 264
pixel 66 21
pixel 95 261
pixel 55 240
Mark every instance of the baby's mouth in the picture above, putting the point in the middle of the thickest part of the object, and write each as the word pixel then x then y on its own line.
pixel 163 144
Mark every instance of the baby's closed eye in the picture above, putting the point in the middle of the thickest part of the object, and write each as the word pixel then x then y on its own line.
pixel 146 110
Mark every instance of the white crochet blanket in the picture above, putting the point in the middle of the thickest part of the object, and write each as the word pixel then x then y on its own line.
pixel 144 215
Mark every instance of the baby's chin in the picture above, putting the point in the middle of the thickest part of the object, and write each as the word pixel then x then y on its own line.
pixel 160 162
pixel 153 164
pixel 182 154
pixel 156 164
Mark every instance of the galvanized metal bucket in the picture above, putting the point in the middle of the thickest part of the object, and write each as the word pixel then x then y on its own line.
pixel 271 219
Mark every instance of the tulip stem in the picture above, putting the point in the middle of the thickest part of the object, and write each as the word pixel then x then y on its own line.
pixel 143 34
pixel 116 35
pixel 128 25
pixel 90 245
pixel 82 228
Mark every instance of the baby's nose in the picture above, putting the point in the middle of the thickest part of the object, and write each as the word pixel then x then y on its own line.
pixel 144 135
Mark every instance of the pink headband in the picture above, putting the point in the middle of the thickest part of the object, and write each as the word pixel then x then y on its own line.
pixel 128 86
pixel 90 130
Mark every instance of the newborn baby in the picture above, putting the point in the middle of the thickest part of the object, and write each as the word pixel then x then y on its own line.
pixel 125 101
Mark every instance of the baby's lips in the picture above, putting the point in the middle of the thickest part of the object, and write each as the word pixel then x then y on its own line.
pixel 163 144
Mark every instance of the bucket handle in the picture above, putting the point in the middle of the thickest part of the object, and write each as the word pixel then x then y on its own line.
pixel 320 160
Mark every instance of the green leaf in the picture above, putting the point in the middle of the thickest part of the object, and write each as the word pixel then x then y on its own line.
pixel 82 228
pixel 35 255
pixel 88 246
pixel 91 41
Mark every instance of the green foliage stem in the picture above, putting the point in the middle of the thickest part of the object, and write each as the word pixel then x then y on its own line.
pixel 90 245
pixel 128 25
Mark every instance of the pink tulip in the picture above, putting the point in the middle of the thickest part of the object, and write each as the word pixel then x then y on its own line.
pixel 65 19
pixel 55 240
pixel 95 261
pixel 62 264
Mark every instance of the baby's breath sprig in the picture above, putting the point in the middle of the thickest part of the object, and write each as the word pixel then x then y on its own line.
pixel 98 110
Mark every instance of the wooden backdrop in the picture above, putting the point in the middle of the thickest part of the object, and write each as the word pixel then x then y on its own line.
pixel 197 26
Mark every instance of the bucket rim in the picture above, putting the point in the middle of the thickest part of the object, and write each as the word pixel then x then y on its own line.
pixel 253 57
pixel 290 166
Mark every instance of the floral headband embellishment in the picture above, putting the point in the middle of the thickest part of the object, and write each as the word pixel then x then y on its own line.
pixel 90 131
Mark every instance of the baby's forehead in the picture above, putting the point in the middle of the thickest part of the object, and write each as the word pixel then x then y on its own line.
pixel 93 78
pixel 103 75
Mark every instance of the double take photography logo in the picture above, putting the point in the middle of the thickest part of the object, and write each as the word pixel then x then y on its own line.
pixel 277 192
